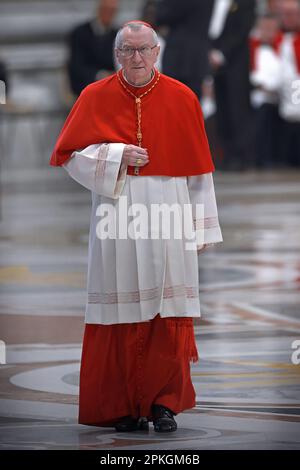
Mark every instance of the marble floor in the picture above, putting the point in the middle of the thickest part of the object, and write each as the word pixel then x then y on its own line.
pixel 247 380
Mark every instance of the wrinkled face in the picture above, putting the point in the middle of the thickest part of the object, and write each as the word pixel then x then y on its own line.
pixel 137 68
pixel 289 13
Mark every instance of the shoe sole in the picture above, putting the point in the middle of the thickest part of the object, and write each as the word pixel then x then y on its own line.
pixel 165 430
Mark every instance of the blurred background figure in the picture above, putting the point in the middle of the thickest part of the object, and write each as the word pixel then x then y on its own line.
pixel 149 15
pixel 3 74
pixel 230 25
pixel 265 79
pixel 91 47
pixel 185 56
pixel 289 93
pixel 272 6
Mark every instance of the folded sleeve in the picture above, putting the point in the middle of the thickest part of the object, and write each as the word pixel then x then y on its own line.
pixel 99 168
pixel 204 209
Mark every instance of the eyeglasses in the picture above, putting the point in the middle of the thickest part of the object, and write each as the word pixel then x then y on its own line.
pixel 144 51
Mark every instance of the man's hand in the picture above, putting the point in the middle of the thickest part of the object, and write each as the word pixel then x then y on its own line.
pixel 132 153
pixel 216 59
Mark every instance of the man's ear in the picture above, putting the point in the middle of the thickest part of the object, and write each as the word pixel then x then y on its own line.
pixel 157 53
pixel 117 56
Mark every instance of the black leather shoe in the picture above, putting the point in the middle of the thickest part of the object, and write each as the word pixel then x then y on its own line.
pixel 163 419
pixel 128 424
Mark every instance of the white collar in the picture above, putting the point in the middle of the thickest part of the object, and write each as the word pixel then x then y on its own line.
pixel 139 86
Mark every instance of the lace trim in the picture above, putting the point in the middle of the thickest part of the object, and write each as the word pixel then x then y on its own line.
pixel 206 223
pixel 190 292
pixel 101 161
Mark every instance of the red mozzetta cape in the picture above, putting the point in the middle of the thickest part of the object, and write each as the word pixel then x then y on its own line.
pixel 172 125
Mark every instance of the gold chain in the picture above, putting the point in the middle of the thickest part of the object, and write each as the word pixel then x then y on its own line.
pixel 138 102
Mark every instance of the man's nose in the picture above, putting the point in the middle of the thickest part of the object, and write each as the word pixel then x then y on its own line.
pixel 136 52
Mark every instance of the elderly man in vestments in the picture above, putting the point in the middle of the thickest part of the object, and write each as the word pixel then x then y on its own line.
pixel 138 136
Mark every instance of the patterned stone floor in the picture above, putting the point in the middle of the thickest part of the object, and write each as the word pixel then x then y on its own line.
pixel 248 389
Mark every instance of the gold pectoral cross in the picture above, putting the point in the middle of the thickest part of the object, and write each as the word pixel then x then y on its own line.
pixel 138 103
pixel 139 134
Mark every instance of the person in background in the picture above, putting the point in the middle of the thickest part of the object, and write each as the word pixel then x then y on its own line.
pixel 91 47
pixel 273 6
pixel 265 80
pixel 3 75
pixel 230 26
pixel 289 91
pixel 185 56
pixel 149 14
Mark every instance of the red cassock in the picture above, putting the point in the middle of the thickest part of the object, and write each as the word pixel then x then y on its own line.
pixel 125 368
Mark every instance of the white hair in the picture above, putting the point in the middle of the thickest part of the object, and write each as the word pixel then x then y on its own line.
pixel 133 26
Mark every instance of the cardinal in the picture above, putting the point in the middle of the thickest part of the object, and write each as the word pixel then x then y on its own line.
pixel 140 135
